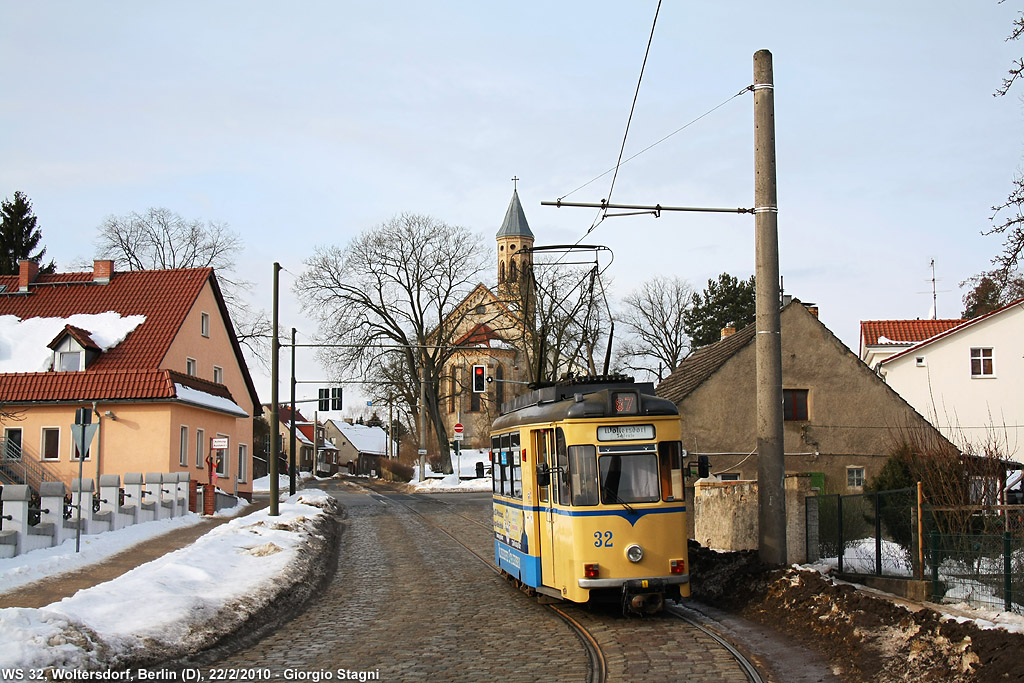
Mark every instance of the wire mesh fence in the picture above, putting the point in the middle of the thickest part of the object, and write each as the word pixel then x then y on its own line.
pixel 968 554
pixel 866 533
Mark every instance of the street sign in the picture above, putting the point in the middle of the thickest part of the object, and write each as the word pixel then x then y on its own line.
pixel 457 436
pixel 88 431
pixel 219 443
pixel 458 428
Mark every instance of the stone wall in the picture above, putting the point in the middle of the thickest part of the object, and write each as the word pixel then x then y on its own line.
pixel 725 515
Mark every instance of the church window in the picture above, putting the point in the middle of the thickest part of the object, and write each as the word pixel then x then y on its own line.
pixel 501 272
pixel 512 271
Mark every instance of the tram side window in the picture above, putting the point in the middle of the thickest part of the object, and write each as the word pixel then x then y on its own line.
pixel 495 463
pixel 541 450
pixel 670 457
pixel 564 492
pixel 583 474
pixel 506 458
pixel 515 466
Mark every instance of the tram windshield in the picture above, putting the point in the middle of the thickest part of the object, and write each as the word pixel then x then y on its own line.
pixel 629 478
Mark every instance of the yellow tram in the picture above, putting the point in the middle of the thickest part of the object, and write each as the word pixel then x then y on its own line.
pixel 588 493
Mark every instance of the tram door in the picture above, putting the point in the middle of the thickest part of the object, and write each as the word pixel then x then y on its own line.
pixel 546 496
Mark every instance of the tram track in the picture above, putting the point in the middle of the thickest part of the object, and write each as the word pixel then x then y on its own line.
pixel 598 665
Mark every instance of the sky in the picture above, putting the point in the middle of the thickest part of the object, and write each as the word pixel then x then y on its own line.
pixel 304 124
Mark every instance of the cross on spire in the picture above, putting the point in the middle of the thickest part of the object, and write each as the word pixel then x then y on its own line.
pixel 515 181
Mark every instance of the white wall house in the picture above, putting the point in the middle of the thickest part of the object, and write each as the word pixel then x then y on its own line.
pixel 969 381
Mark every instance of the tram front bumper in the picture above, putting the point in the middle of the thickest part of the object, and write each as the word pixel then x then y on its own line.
pixel 651 583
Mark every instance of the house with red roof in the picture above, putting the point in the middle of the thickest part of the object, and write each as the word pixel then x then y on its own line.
pixel 151 354
pixel 880 339
pixel 967 381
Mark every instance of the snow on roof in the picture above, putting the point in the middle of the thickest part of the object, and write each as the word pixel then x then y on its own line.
pixel 364 439
pixel 24 343
pixel 201 398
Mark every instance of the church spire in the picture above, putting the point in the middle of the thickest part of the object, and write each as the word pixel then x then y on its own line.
pixel 512 237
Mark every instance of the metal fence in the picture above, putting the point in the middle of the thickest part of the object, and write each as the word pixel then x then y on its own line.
pixel 973 555
pixel 865 533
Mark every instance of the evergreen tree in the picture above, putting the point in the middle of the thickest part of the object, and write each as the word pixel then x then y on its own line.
pixel 728 301
pixel 19 236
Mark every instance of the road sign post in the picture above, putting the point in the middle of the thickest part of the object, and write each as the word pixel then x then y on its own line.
pixel 82 433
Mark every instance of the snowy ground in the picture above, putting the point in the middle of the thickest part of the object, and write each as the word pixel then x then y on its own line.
pixel 465 465
pixel 168 606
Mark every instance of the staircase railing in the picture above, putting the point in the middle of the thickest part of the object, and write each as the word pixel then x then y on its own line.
pixel 17 469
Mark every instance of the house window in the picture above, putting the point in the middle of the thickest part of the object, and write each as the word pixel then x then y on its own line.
pixel 50 446
pixel 218 375
pixel 729 476
pixel 204 324
pixel 191 367
pixel 12 443
pixel 855 477
pixel 200 447
pixel 981 362
pixel 919 361
pixel 183 447
pixel 70 361
pixel 243 456
pixel 794 405
pixel 222 459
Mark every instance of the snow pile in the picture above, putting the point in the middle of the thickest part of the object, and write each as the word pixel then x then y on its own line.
pixel 176 604
pixel 201 398
pixel 23 343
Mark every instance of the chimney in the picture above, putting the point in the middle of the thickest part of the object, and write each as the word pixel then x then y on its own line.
pixel 102 271
pixel 27 271
pixel 728 331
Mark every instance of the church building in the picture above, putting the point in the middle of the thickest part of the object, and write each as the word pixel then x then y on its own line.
pixel 492 327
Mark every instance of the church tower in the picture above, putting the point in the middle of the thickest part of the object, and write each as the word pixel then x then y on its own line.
pixel 512 238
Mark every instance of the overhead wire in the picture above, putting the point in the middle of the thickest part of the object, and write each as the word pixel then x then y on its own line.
pixel 629 120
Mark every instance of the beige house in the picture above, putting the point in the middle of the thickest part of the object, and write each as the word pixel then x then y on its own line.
pixel 841 419
pixel 151 355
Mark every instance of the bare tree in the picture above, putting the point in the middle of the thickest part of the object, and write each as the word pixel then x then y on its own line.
pixel 1008 217
pixel 160 238
pixel 653 317
pixel 560 319
pixel 398 284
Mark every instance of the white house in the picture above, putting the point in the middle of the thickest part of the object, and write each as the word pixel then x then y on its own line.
pixel 967 381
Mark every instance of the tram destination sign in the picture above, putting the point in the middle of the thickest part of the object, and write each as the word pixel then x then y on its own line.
pixel 625 432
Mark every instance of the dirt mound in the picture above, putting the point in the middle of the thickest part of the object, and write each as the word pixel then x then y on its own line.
pixel 864 637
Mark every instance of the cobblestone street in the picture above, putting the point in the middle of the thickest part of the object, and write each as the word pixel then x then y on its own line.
pixel 409 602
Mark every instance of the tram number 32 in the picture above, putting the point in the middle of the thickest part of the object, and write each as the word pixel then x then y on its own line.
pixel 602 539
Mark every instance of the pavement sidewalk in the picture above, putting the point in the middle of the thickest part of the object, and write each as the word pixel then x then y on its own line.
pixel 59 586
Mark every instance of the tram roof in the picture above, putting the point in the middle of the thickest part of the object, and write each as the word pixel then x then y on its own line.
pixel 580 400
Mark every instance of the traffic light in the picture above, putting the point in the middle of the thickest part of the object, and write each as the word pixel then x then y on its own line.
pixel 479 379
pixel 329 399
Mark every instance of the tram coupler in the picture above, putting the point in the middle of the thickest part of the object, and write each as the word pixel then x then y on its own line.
pixel 643 596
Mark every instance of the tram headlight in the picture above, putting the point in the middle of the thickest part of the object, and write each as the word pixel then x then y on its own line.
pixel 634 553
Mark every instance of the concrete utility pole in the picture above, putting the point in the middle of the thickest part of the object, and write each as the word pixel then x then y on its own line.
pixel 275 416
pixel 771 471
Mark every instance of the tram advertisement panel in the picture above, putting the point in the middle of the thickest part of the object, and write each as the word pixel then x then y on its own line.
pixel 509 528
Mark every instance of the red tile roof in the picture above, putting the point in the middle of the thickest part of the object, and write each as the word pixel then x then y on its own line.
pixel 903 331
pixel 163 296
pixel 956 328
pixel 132 368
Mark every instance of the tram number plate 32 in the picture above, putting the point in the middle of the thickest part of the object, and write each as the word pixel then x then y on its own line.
pixel 603 539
